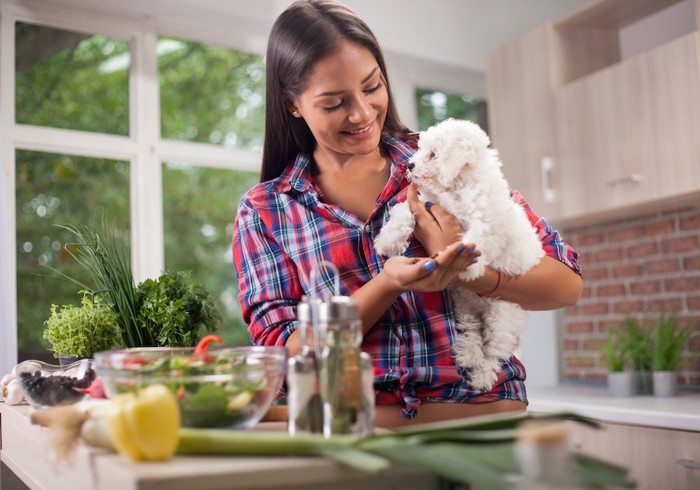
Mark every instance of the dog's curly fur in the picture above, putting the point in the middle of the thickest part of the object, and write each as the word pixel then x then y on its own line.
pixel 455 168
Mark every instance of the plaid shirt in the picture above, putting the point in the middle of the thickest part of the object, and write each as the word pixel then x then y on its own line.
pixel 284 227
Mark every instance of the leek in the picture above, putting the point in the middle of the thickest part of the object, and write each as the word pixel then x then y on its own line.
pixel 477 451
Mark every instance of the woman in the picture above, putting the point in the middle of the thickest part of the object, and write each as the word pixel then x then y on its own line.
pixel 334 163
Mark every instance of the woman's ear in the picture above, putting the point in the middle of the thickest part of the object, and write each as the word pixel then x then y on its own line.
pixel 292 108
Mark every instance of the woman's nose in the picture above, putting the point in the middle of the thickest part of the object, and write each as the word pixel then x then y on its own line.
pixel 360 111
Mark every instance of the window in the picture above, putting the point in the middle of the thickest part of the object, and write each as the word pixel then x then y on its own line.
pixel 435 105
pixel 210 94
pixel 199 208
pixel 71 80
pixel 84 145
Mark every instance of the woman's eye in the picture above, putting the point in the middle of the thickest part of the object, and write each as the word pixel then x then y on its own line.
pixel 374 89
pixel 334 107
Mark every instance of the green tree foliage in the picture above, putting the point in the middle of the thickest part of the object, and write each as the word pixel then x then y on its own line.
pixel 210 94
pixel 82 86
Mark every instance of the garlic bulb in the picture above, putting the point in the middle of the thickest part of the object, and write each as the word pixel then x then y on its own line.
pixel 12 393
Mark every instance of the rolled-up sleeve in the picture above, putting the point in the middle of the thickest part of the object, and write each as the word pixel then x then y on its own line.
pixel 552 242
pixel 268 287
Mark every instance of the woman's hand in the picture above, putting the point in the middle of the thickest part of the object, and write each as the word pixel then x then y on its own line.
pixel 430 273
pixel 435 229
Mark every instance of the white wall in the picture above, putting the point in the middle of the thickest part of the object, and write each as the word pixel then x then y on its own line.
pixel 539 349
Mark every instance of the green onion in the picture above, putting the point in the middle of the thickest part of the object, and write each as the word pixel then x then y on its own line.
pixel 108 263
pixel 477 451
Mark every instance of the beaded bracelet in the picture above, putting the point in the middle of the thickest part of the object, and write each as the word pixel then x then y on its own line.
pixel 488 294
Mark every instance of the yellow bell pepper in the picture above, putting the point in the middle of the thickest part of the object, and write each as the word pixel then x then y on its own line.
pixel 144 425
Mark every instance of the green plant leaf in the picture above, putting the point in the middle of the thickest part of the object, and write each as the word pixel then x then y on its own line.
pixel 599 474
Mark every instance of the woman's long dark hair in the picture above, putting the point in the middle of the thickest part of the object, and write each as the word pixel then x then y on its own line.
pixel 307 31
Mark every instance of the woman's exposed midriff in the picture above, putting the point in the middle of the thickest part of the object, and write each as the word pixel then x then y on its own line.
pixel 389 416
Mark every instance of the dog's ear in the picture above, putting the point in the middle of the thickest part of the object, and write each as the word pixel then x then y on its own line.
pixel 455 157
pixel 449 171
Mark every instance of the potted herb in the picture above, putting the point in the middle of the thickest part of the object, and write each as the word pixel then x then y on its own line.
pixel 620 381
pixel 668 344
pixel 637 340
pixel 76 332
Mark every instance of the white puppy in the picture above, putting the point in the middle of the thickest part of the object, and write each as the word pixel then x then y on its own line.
pixel 455 168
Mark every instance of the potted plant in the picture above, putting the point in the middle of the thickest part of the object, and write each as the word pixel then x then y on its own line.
pixel 620 381
pixel 668 343
pixel 637 340
pixel 76 332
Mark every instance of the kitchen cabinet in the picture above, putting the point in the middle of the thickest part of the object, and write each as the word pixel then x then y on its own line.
pixel 593 135
pixel 656 438
pixel 656 458
pixel 521 117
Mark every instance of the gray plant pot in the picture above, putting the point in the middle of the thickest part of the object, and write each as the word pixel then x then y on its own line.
pixel 643 383
pixel 665 383
pixel 621 384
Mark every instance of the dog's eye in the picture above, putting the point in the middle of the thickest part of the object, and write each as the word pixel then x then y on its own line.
pixel 432 155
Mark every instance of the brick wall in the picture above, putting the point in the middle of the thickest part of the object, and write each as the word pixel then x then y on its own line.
pixel 631 267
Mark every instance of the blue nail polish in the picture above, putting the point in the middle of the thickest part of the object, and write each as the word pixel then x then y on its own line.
pixel 428 204
pixel 460 248
pixel 470 249
pixel 429 265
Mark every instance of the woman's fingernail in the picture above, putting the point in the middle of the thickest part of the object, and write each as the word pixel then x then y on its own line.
pixel 429 265
pixel 470 250
pixel 428 204
pixel 460 248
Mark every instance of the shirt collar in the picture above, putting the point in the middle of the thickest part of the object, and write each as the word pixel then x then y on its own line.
pixel 297 175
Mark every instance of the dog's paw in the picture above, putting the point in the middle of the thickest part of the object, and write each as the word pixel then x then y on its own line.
pixel 387 244
pixel 473 271
pixel 483 378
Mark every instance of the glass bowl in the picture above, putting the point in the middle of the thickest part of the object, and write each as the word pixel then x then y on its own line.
pixel 49 385
pixel 228 387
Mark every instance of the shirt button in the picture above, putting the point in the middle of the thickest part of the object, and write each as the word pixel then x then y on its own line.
pixel 368 228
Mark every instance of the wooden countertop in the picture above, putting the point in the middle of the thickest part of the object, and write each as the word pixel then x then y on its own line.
pixel 25 449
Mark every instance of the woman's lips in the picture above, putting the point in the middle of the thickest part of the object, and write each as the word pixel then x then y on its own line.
pixel 360 132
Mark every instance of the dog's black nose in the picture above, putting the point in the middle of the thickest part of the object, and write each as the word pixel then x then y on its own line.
pixel 410 165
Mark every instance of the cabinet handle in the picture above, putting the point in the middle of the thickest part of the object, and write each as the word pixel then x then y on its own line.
pixel 633 178
pixel 688 463
pixel 546 168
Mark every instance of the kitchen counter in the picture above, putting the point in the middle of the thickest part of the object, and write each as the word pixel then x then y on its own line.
pixel 681 412
pixel 25 450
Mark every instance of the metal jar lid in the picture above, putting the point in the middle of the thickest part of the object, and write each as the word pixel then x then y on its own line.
pixel 338 309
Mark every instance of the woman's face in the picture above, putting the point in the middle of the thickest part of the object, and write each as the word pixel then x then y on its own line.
pixel 345 103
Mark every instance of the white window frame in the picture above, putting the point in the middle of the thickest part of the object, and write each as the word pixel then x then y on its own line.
pixel 143 148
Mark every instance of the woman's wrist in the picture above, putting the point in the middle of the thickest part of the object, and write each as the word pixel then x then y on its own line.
pixel 491 292
pixel 485 285
pixel 386 285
